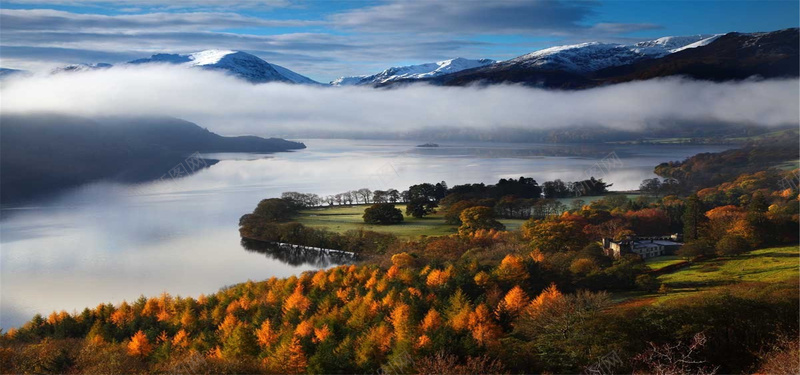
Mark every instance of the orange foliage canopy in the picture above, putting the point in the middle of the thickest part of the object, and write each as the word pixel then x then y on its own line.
pixel 139 345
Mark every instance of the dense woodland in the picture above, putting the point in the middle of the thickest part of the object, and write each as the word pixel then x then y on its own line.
pixel 543 299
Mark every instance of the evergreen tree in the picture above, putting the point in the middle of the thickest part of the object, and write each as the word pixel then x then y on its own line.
pixel 692 218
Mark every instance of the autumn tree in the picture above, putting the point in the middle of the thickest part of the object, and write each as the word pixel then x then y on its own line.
pixel 512 304
pixel 648 221
pixel 431 322
pixel 289 358
pixel 265 335
pixel 560 327
pixel 512 269
pixel 554 235
pixel 478 218
pixel 139 345
pixel 731 244
pixel 721 220
pixel 452 214
pixel 483 327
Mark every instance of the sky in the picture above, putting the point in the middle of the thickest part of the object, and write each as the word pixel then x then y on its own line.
pixel 328 39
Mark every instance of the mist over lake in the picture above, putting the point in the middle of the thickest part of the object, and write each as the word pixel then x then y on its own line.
pixel 108 242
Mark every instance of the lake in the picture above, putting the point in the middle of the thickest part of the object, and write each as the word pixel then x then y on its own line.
pixel 108 242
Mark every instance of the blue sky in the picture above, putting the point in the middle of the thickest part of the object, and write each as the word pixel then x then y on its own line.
pixel 327 39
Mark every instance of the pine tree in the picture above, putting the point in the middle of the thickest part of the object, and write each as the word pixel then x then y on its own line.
pixel 692 218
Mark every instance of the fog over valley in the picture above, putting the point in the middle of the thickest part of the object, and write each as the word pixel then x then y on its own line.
pixel 230 106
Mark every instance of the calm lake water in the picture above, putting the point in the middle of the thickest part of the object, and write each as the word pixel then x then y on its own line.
pixel 108 242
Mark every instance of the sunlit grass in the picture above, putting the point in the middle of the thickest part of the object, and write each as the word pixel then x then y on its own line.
pixel 661 262
pixel 764 265
pixel 344 218
pixel 760 267
pixel 341 219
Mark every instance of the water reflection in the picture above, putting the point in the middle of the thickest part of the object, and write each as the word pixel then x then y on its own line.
pixel 106 242
pixel 298 255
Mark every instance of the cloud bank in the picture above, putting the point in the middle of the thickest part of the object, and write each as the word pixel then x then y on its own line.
pixel 230 106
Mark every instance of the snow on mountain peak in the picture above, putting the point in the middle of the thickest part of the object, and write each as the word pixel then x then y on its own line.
pixel 671 42
pixel 699 43
pixel 419 71
pixel 236 63
pixel 591 56
pixel 208 57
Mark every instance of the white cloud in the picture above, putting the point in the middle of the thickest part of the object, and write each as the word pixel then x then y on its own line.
pixel 40 20
pixel 495 17
pixel 230 106
pixel 134 5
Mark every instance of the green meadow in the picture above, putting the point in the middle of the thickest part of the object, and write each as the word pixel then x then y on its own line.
pixel 344 218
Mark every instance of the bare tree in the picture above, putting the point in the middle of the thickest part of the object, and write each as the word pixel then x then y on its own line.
pixel 365 194
pixel 674 359
pixel 348 197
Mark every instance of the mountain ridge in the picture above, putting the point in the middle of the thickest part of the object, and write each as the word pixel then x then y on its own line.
pixel 730 56
pixel 237 63
pixel 574 66
pixel 418 71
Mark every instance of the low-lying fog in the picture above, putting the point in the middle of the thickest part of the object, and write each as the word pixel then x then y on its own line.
pixel 231 106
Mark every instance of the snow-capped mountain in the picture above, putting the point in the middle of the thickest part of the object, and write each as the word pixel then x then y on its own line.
pixel 237 63
pixel 593 56
pixel 294 77
pixel 708 57
pixel 420 71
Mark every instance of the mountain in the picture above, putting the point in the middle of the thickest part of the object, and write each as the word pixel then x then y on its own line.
pixel 294 77
pixel 412 72
pixel 6 72
pixel 43 153
pixel 237 63
pixel 715 57
pixel 730 56
pixel 589 57
pixel 81 67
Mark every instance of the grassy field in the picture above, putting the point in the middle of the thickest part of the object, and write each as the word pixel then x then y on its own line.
pixel 772 265
pixel 661 262
pixel 766 265
pixel 340 219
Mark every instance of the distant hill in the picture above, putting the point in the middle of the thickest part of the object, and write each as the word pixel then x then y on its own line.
pixel 45 153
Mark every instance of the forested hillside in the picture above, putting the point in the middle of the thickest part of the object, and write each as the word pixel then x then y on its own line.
pixel 542 299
